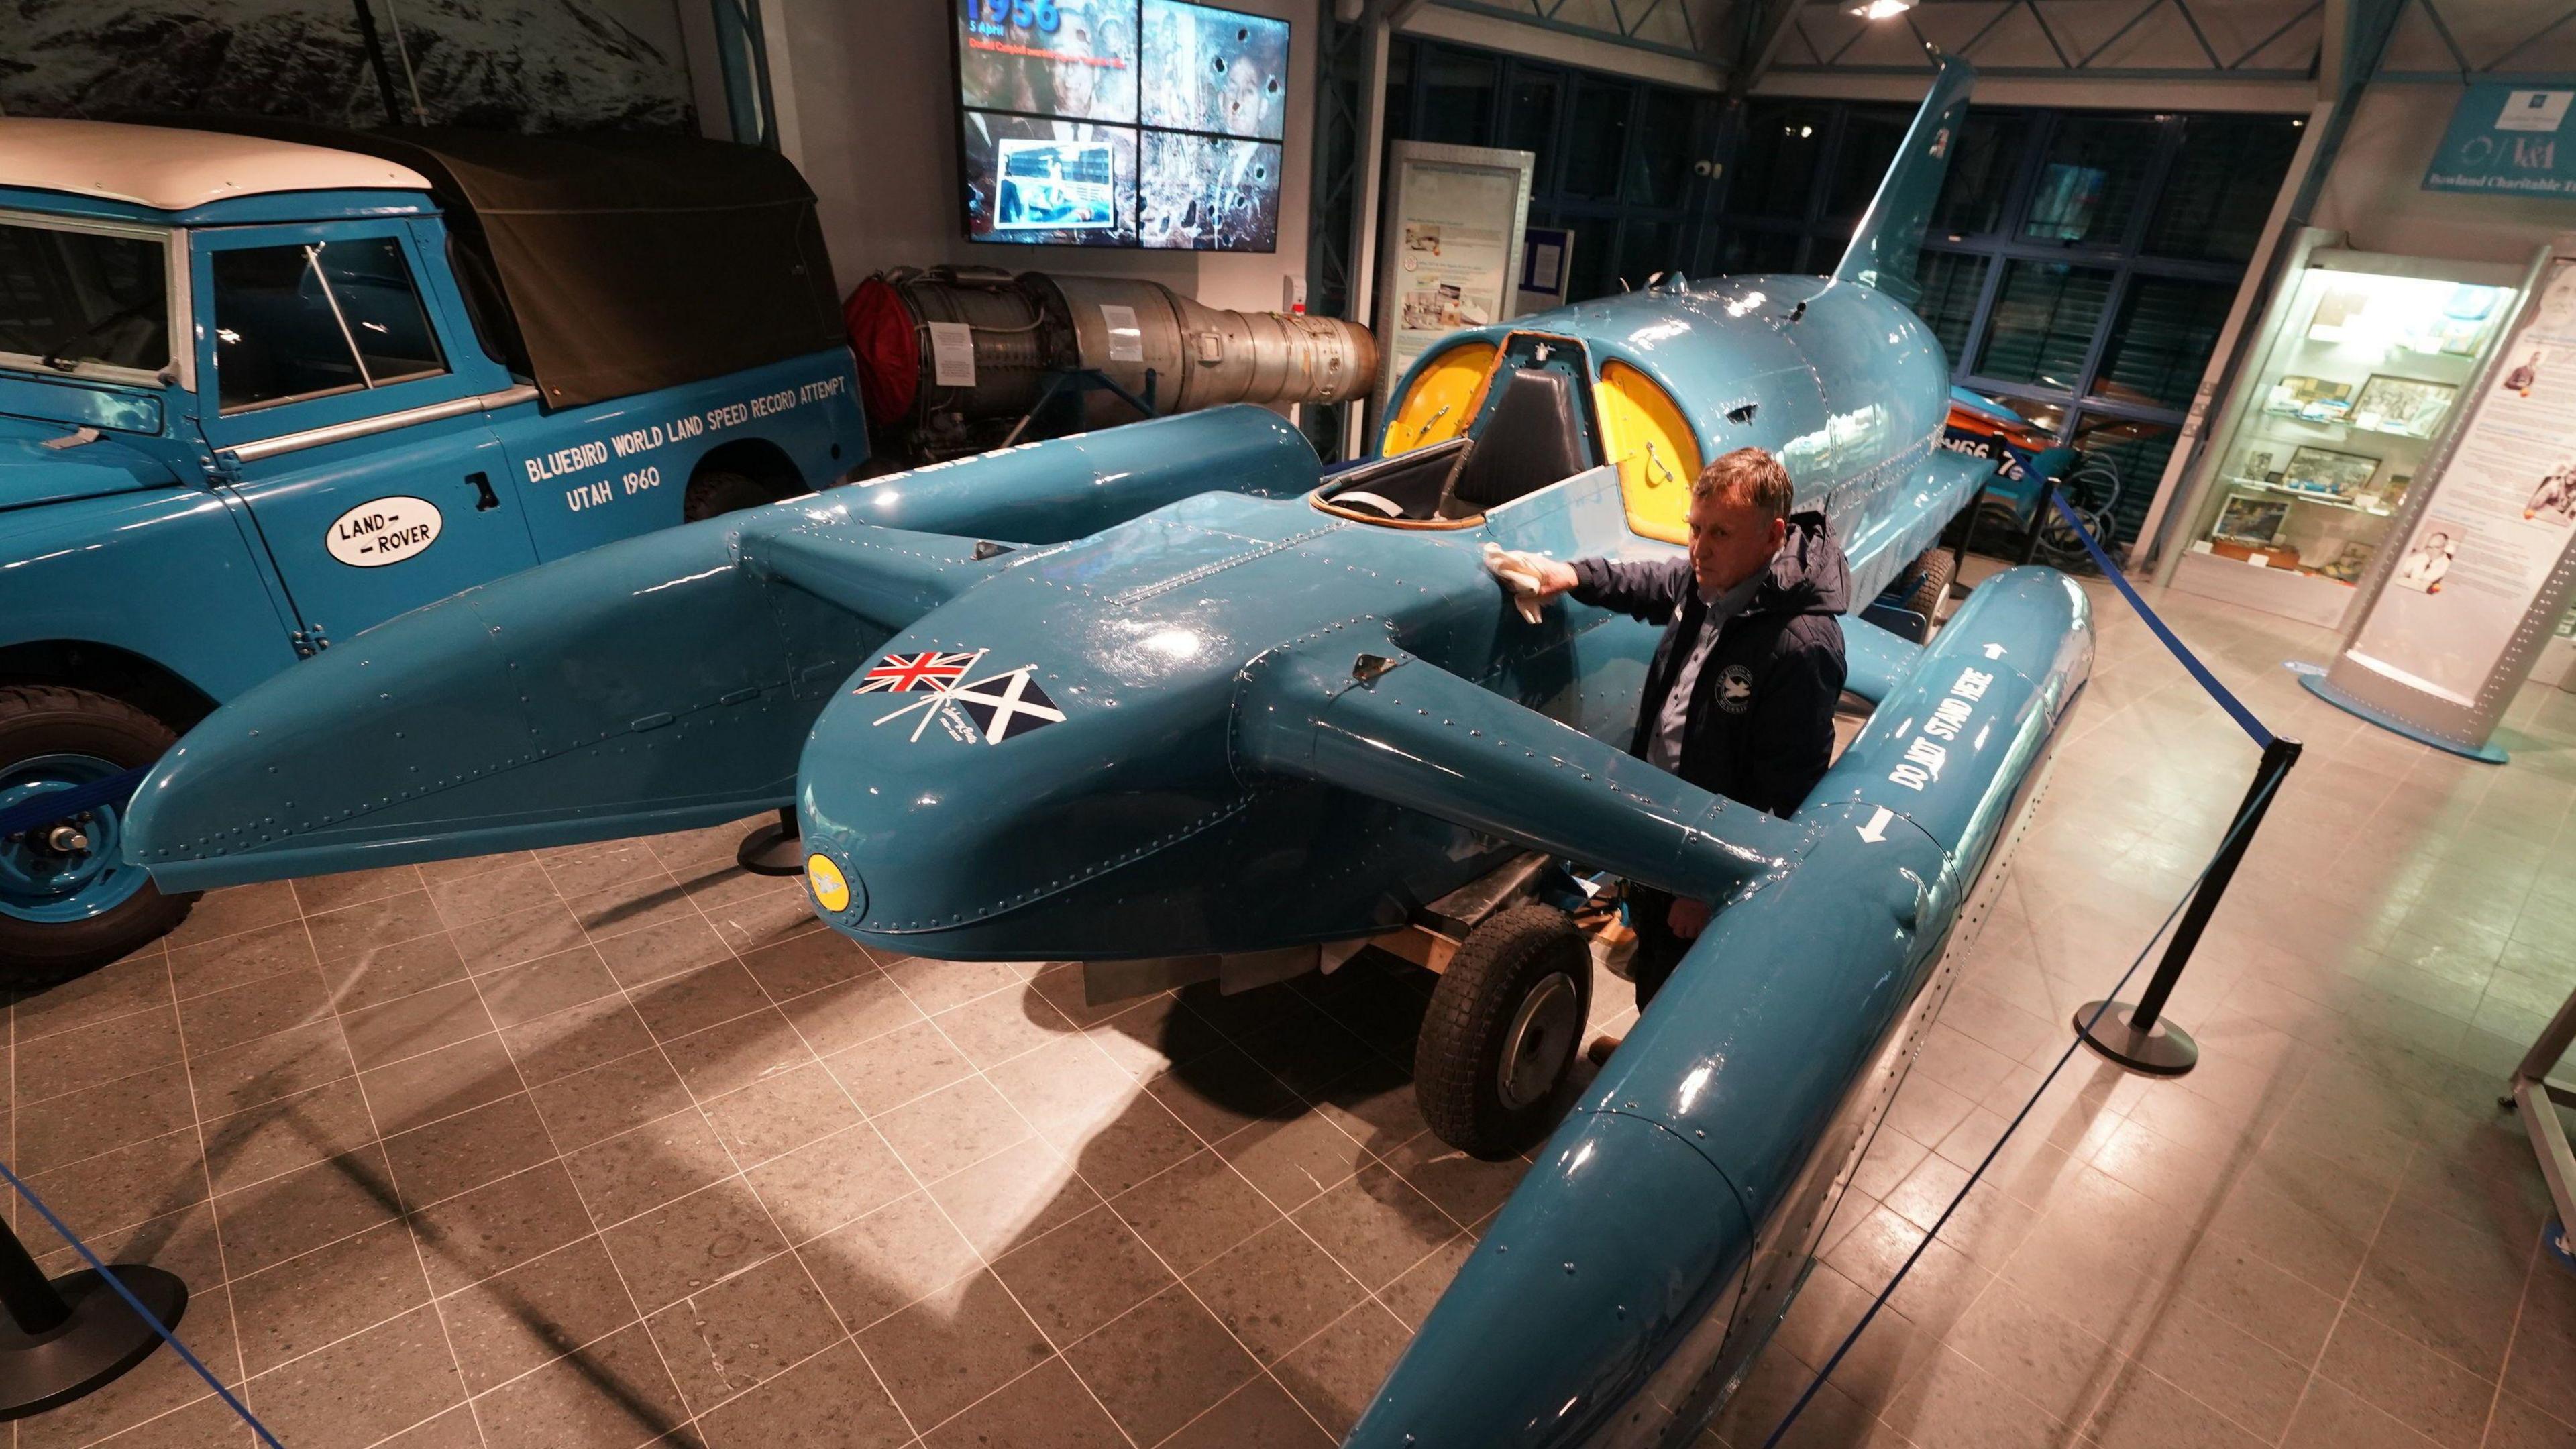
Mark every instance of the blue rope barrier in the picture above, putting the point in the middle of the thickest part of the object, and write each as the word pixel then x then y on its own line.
pixel 2235 707
pixel 136 1304
pixel 47 806
pixel 2245 821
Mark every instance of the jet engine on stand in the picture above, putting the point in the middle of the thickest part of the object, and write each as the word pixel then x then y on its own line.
pixel 959 360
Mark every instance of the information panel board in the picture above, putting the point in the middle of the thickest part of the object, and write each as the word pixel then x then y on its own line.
pixel 1453 247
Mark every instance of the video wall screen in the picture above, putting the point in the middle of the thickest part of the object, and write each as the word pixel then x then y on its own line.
pixel 1121 123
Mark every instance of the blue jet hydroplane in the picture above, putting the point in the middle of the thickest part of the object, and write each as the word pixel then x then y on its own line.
pixel 1169 694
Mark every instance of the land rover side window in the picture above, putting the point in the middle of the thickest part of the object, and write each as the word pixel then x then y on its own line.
pixel 317 318
pixel 70 297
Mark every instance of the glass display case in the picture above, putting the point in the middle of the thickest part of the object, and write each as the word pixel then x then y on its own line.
pixel 2360 375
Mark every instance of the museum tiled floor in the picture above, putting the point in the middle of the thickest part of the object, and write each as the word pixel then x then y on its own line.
pixel 612 1144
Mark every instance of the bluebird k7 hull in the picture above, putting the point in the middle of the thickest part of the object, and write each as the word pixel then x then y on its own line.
pixel 1167 690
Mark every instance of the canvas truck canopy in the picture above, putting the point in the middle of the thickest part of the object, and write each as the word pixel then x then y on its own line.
pixel 603 265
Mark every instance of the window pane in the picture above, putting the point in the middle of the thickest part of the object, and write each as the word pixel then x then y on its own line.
pixel 1592 270
pixel 275 337
pixel 1659 162
pixel 373 286
pixel 2137 452
pixel 1981 172
pixel 1457 97
pixel 2088 187
pixel 1749 249
pixel 1529 124
pixel 1596 141
pixel 1648 247
pixel 2163 340
pixel 82 297
pixel 1870 138
pixel 2221 190
pixel 1950 283
pixel 1775 167
pixel 1399 88
pixel 2045 318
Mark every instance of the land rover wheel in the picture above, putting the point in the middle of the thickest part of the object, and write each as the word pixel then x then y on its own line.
pixel 68 900
pixel 1491 1066
pixel 718 492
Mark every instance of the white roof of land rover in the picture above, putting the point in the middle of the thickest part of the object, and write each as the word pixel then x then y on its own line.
pixel 173 170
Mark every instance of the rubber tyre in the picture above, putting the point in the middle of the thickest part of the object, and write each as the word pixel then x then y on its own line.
pixel 1929 585
pixel 47 719
pixel 1458 1058
pixel 713 494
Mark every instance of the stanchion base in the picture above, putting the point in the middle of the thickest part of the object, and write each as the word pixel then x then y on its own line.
pixel 773 849
pixel 102 1339
pixel 2164 1050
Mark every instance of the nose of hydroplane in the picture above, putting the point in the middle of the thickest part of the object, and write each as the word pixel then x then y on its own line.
pixel 950 785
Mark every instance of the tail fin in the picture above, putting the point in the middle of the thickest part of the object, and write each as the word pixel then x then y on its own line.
pixel 1890 236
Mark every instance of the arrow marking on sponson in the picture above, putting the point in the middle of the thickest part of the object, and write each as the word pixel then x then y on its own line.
pixel 1876 830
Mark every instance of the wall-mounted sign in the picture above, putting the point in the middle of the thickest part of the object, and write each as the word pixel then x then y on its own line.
pixel 2505 139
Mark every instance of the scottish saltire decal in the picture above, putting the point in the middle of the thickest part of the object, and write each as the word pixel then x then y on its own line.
pixel 1008 704
pixel 991 708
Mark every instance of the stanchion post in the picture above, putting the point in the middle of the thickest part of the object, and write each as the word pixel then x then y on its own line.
pixel 2039 520
pixel 2137 1036
pixel 68 1336
pixel 773 849
pixel 31 1302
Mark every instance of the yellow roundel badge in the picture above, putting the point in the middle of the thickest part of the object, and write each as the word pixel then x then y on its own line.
pixel 825 880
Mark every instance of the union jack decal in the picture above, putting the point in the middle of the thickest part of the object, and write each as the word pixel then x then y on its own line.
pixel 992 708
pixel 905 673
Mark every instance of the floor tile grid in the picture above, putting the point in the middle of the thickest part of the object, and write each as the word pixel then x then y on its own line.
pixel 2344 1307
pixel 235 1379
pixel 555 1148
pixel 662 1047
pixel 1107 1195
pixel 238 1380
pixel 628 992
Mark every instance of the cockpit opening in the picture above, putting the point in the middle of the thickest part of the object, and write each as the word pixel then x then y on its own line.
pixel 1534 433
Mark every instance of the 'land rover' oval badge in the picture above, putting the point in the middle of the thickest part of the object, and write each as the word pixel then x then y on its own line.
pixel 384 531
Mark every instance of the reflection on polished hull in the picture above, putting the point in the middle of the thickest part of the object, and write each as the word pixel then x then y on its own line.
pixel 1166 691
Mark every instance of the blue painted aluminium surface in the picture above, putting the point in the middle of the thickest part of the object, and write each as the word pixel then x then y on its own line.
pixel 1140 698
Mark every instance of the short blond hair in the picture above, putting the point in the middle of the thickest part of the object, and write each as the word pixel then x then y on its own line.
pixel 1748 476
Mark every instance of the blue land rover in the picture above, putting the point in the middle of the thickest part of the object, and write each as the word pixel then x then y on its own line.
pixel 262 389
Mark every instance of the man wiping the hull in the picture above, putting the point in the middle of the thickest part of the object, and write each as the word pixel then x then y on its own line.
pixel 1740 696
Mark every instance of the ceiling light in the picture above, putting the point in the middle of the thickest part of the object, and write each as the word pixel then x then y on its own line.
pixel 1882 9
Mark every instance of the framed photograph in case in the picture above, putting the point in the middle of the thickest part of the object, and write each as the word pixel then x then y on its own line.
pixel 2407 405
pixel 2325 471
pixel 2244 518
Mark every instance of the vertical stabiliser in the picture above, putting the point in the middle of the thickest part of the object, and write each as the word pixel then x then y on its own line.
pixel 1890 237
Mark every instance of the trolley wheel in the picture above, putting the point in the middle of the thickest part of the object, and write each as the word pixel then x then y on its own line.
pixel 1928 585
pixel 1505 1024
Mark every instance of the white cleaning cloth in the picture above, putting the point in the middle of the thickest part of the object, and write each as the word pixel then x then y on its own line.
pixel 1520 572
